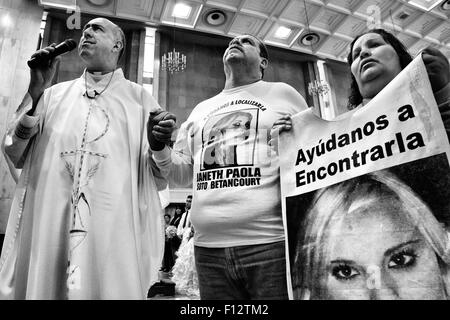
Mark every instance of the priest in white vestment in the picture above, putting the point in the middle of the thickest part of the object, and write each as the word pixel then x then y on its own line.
pixel 86 220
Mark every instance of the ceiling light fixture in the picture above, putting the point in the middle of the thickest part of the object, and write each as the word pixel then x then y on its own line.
pixel 318 88
pixel 6 21
pixel 181 10
pixel 426 5
pixel 309 39
pixel 175 61
pixel 56 4
pixel 445 5
pixel 99 3
pixel 215 17
pixel 283 33
pixel 403 15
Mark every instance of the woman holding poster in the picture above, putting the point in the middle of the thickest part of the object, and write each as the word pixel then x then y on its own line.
pixel 371 237
pixel 366 233
pixel 377 57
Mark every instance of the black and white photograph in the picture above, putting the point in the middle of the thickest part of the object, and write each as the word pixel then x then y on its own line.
pixel 224 158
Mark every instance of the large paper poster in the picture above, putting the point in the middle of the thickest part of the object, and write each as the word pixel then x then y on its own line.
pixel 366 198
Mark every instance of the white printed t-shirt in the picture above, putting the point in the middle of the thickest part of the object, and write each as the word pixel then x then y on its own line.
pixel 223 150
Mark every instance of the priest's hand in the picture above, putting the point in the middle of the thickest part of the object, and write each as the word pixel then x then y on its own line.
pixel 42 76
pixel 160 128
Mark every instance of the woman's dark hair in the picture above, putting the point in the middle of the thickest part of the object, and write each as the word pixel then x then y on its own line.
pixel 405 58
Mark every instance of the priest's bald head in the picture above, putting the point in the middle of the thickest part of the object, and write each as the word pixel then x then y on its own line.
pixel 101 45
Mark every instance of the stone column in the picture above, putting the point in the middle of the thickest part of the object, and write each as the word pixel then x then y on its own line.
pixel 19 35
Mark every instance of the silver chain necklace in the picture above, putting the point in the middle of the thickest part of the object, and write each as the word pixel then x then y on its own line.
pixel 96 94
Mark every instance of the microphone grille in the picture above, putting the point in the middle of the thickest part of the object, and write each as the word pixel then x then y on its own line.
pixel 71 44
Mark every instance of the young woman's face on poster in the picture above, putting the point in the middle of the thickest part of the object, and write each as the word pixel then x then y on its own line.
pixel 376 253
pixel 235 128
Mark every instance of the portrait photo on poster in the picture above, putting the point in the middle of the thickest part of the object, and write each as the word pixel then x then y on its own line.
pixel 228 139
pixel 381 235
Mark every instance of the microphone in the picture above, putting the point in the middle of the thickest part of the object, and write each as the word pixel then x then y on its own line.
pixel 61 48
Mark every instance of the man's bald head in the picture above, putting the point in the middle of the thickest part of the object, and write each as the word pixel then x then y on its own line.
pixel 120 37
pixel 118 32
pixel 102 42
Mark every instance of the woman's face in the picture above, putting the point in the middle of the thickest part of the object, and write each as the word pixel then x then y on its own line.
pixel 378 254
pixel 237 130
pixel 375 64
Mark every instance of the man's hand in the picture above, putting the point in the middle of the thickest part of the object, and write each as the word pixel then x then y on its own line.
pixel 281 125
pixel 42 76
pixel 160 127
pixel 437 67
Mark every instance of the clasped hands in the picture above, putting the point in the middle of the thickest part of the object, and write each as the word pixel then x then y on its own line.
pixel 161 126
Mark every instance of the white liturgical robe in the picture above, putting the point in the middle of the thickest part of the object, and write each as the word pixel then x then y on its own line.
pixel 86 219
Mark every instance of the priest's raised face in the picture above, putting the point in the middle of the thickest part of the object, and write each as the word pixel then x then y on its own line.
pixel 101 45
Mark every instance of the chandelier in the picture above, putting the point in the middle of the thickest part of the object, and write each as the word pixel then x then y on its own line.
pixel 318 88
pixel 173 61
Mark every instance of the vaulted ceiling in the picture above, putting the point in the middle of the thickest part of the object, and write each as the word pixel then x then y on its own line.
pixel 321 27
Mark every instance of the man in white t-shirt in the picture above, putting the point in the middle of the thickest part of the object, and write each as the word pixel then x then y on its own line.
pixel 223 150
